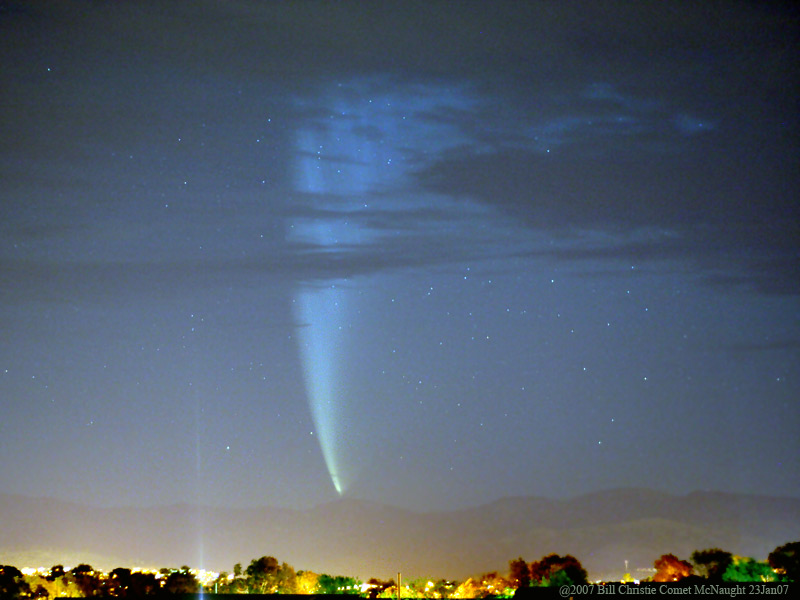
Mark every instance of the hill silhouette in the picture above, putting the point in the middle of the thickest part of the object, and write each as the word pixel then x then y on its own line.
pixel 365 539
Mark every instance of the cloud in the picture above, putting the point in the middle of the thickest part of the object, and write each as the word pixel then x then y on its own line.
pixel 727 214
pixel 509 126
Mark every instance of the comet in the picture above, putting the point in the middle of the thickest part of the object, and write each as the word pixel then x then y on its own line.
pixel 349 168
pixel 321 311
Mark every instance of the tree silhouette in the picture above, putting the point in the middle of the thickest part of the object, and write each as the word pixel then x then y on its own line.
pixel 84 577
pixel 377 587
pixel 443 588
pixel 181 582
pixel 337 584
pixel 56 571
pixel 748 570
pixel 239 583
pixel 286 579
pixel 12 583
pixel 711 563
pixel 558 570
pixel 261 573
pixel 266 576
pixel 519 575
pixel 786 560
pixel 670 568
pixel 118 582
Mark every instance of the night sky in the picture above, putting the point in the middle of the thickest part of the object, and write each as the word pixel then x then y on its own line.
pixel 429 254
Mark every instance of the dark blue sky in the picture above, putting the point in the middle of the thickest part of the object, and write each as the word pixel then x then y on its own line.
pixel 429 254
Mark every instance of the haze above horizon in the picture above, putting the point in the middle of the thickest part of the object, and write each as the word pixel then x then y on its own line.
pixel 427 254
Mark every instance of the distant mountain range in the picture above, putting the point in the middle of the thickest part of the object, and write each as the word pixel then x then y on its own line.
pixel 364 539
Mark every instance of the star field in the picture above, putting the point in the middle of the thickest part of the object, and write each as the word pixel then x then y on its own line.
pixel 252 254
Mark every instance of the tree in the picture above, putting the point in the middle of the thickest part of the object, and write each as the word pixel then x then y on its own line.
pixel 71 584
pixel 493 584
pixel 558 570
pixel 307 582
pixel 84 577
pixel 118 583
pixel 221 584
pixel 519 575
pixel 182 582
pixel 286 580
pixel 711 563
pixel 260 575
pixel 12 583
pixel 423 587
pixel 239 583
pixel 470 588
pixel 488 585
pixel 143 584
pixel 56 572
pixel 123 582
pixel 444 588
pixel 749 569
pixel 266 576
pixel 786 560
pixel 337 584
pixel 377 587
pixel 670 568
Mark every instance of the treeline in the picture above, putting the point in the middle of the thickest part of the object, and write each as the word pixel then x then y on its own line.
pixel 716 565
pixel 712 565
pixel 263 575
pixel 266 575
